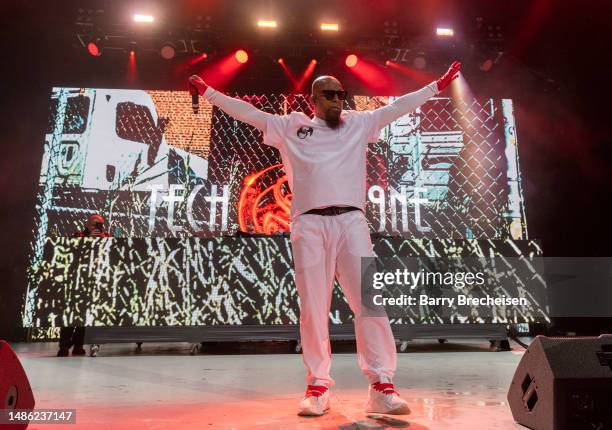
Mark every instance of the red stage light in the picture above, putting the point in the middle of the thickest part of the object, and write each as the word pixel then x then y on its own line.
pixel 288 73
pixel 241 56
pixel 132 70
pixel 306 75
pixel 419 76
pixel 351 60
pixel 93 49
pixel 222 70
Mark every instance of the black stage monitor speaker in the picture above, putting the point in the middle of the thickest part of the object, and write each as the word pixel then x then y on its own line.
pixel 15 390
pixel 564 383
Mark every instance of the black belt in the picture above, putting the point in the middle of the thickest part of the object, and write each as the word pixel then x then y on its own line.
pixel 331 210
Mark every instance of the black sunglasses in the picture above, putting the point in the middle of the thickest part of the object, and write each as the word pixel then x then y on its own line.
pixel 329 94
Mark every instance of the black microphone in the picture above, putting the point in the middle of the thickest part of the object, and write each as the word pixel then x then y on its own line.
pixel 195 100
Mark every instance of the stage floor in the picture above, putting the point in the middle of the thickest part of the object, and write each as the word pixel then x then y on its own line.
pixel 452 386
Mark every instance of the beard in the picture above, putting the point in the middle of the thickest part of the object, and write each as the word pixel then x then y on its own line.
pixel 332 118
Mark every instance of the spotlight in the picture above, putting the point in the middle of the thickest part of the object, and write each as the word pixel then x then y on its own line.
pixel 94 48
pixel 266 24
pixel 448 32
pixel 167 51
pixel 351 60
pixel 281 61
pixel 419 62
pixel 132 48
pixel 487 65
pixel 241 56
pixel 143 18
pixel 327 26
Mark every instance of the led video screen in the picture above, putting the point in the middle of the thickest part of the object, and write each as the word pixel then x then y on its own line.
pixel 171 182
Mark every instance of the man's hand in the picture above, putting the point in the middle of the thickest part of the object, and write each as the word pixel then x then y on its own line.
pixel 197 84
pixel 452 73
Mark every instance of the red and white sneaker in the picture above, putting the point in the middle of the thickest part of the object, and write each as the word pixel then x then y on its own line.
pixel 383 399
pixel 316 401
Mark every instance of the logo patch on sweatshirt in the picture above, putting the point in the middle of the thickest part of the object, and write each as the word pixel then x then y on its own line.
pixel 304 132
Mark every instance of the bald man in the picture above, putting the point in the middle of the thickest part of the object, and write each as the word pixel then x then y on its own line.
pixel 325 161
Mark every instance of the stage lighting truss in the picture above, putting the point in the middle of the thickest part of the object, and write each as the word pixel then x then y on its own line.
pixel 87 17
pixel 203 23
pixel 481 43
pixel 391 33
pixel 167 48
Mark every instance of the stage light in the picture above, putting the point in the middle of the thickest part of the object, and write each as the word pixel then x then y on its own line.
pixel 132 69
pixel 241 56
pixel 94 49
pixel 351 60
pixel 221 70
pixel 306 75
pixel 198 58
pixel 266 24
pixel 143 18
pixel 288 72
pixel 419 62
pixel 132 48
pixel 487 65
pixel 448 32
pixel 329 27
pixel 167 51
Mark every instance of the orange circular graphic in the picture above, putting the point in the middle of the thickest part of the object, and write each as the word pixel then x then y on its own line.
pixel 265 202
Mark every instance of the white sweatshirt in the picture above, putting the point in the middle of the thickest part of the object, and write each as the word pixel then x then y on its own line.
pixel 325 166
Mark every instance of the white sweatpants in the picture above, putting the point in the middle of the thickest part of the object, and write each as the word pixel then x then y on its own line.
pixel 325 247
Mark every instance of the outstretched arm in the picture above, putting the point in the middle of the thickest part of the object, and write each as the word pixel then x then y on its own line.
pixel 236 108
pixel 409 102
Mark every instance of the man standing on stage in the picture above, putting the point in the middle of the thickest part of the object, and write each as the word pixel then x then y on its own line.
pixel 75 336
pixel 325 161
